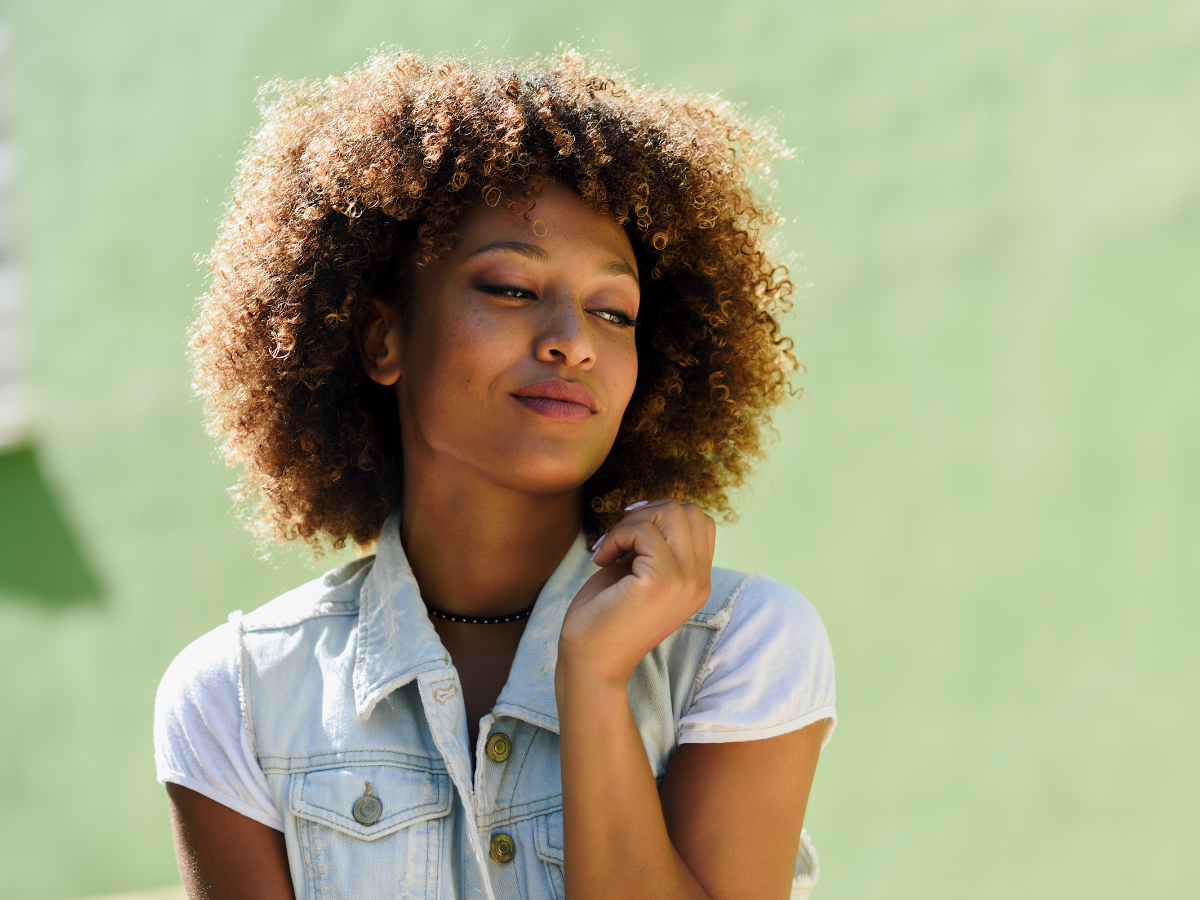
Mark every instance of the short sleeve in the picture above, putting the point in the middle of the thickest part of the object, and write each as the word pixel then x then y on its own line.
pixel 200 739
pixel 770 671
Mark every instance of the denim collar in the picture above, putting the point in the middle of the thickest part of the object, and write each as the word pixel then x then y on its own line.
pixel 397 642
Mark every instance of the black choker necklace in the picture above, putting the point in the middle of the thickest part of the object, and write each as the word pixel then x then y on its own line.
pixel 479 620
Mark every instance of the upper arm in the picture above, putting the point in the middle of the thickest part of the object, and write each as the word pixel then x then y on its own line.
pixel 200 735
pixel 223 854
pixel 734 811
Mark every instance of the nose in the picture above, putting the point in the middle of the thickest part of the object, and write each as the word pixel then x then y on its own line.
pixel 565 337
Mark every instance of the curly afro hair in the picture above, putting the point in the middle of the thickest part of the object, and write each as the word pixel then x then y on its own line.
pixel 352 181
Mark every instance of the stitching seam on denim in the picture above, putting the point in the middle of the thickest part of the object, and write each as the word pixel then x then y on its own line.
pixel 718 630
pixel 350 758
pixel 301 618
pixel 531 810
pixel 244 699
pixel 305 837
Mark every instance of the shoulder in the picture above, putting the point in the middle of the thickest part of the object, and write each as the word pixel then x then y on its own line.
pixel 333 594
pixel 766 605
pixel 770 668
pixel 772 625
pixel 757 602
pixel 209 668
pixel 206 667
pixel 200 739
pixel 726 586
pixel 197 706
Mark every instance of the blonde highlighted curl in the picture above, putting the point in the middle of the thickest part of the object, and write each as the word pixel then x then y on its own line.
pixel 352 181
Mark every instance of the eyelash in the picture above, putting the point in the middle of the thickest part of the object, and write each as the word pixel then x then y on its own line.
pixel 504 290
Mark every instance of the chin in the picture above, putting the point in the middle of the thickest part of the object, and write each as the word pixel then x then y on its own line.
pixel 547 475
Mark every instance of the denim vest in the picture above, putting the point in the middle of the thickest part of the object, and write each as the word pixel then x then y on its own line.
pixel 356 715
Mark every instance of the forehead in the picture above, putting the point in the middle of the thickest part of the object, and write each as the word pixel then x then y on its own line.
pixel 555 218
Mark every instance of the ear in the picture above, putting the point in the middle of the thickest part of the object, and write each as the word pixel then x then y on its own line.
pixel 380 341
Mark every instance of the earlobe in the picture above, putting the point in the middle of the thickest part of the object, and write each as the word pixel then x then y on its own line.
pixel 380 343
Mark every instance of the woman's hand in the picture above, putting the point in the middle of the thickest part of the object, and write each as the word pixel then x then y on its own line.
pixel 726 822
pixel 655 569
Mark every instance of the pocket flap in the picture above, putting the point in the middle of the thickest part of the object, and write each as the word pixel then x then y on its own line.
pixel 407 795
pixel 548 837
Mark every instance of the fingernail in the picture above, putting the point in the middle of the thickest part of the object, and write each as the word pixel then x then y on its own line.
pixel 632 506
pixel 599 541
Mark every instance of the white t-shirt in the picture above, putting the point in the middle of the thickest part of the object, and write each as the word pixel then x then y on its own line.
pixel 771 672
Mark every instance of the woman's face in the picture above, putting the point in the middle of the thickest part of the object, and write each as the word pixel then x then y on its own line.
pixel 518 358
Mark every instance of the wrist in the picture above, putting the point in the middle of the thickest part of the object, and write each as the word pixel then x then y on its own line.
pixel 575 675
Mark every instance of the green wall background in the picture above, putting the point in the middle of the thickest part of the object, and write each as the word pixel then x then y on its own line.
pixel 990 490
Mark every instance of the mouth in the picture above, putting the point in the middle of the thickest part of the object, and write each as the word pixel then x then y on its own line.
pixel 558 400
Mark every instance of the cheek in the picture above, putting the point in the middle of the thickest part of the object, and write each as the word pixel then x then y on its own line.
pixel 483 347
pixel 623 377
pixel 463 354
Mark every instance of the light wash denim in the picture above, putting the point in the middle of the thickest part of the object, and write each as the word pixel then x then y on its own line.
pixel 345 683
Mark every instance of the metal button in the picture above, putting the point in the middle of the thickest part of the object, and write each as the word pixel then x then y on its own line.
pixel 503 848
pixel 498 747
pixel 367 808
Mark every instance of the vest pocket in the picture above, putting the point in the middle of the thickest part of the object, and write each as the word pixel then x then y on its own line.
pixel 392 848
pixel 548 840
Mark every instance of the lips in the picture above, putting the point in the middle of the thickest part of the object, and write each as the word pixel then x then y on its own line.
pixel 562 401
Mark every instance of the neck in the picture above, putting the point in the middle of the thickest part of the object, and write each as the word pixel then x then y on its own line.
pixel 479 549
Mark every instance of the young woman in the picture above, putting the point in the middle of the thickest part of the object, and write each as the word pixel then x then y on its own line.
pixel 516 329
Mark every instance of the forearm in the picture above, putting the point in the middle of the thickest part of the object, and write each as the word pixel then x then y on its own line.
pixel 616 840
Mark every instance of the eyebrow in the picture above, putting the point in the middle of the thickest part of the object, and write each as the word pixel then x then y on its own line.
pixel 530 251
pixel 618 267
pixel 534 252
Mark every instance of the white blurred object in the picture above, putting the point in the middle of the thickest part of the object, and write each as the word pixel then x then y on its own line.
pixel 808 868
pixel 14 372
pixel 14 404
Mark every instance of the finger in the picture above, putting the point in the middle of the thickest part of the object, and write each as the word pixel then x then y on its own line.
pixel 702 547
pixel 631 508
pixel 674 520
pixel 702 537
pixel 706 536
pixel 630 536
pixel 642 536
pixel 683 528
pixel 642 504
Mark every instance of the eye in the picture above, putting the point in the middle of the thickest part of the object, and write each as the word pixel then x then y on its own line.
pixel 507 290
pixel 614 316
